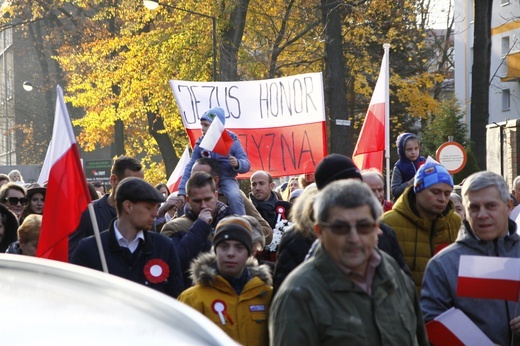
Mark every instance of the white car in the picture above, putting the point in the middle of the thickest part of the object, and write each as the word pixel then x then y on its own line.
pixel 50 302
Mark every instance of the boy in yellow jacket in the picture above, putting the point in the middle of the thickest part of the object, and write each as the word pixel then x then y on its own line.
pixel 230 288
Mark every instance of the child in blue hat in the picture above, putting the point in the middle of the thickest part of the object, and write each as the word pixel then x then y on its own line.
pixel 231 165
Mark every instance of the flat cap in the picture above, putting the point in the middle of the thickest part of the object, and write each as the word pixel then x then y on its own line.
pixel 136 190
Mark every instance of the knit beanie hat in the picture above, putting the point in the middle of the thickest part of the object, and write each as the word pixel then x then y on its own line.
pixel 429 174
pixel 234 228
pixel 209 115
pixel 335 167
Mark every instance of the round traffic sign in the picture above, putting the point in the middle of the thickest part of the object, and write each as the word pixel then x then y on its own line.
pixel 452 156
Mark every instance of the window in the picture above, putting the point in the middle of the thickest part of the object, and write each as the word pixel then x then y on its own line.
pixel 505 45
pixel 506 96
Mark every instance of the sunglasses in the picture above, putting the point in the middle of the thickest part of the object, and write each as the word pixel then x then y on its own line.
pixel 362 227
pixel 16 200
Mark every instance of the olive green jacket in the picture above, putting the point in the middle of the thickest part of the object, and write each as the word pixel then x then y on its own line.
pixel 319 305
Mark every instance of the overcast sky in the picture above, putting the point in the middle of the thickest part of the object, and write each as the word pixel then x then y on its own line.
pixel 439 13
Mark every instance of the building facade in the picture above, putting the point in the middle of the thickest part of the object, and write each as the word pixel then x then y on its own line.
pixel 504 87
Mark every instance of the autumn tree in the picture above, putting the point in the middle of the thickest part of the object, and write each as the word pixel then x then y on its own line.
pixel 372 24
pixel 117 58
pixel 447 121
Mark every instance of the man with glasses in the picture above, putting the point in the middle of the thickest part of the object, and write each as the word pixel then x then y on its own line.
pixel 349 292
pixel 12 196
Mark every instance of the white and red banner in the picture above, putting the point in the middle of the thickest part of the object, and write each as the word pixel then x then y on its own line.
pixel 370 146
pixel 67 195
pixel 175 178
pixel 280 122
pixel 489 277
pixel 454 328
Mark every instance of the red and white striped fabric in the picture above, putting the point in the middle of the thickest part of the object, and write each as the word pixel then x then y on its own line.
pixel 175 178
pixel 454 328
pixel 67 195
pixel 489 277
pixel 217 139
pixel 370 146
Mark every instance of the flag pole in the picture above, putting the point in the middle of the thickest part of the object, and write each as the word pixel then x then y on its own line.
pixel 386 48
pixel 92 214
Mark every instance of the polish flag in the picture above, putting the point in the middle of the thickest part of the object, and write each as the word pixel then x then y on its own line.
pixel 217 138
pixel 175 178
pixel 454 328
pixel 489 277
pixel 67 195
pixel 373 136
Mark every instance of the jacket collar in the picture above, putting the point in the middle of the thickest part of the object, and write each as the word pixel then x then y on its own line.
pixel 113 245
pixel 339 281
pixel 203 270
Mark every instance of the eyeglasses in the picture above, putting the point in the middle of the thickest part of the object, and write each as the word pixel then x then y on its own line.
pixel 16 200
pixel 342 228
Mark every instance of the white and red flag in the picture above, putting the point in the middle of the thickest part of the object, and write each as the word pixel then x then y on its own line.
pixel 175 178
pixel 372 140
pixel 67 195
pixel 454 328
pixel 489 277
pixel 217 138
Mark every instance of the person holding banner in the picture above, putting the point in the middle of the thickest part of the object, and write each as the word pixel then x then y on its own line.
pixel 231 165
pixel 488 233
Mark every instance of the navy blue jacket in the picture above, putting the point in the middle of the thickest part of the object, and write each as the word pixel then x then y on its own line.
pixel 135 267
pixel 104 216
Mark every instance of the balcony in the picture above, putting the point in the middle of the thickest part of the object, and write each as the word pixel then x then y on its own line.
pixel 513 68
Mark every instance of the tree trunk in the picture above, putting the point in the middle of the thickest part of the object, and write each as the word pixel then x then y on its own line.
pixel 335 88
pixel 480 79
pixel 231 40
pixel 158 131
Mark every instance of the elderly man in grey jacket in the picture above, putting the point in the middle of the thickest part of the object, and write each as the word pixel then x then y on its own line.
pixel 489 232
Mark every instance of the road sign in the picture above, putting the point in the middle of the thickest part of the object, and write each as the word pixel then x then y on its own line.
pixel 452 156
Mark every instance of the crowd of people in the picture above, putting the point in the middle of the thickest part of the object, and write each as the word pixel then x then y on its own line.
pixel 324 259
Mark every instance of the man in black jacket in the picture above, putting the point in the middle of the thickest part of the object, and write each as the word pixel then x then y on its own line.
pixel 338 167
pixel 265 200
pixel 104 208
pixel 131 250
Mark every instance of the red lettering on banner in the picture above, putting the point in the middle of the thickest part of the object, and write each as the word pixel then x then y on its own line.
pixel 280 151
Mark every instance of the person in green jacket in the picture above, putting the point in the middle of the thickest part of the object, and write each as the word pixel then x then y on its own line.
pixel 349 292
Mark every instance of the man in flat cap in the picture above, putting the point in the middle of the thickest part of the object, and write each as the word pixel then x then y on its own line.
pixel 131 250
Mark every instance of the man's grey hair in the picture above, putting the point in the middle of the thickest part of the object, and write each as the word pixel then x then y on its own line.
pixel 349 193
pixel 373 172
pixel 482 180
pixel 516 181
